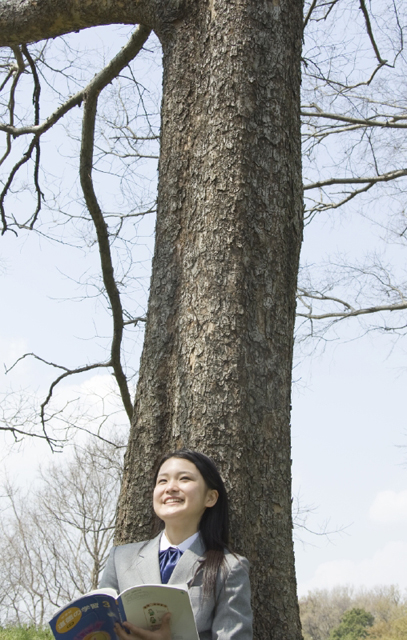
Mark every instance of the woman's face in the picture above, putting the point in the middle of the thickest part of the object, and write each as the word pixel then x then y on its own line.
pixel 181 494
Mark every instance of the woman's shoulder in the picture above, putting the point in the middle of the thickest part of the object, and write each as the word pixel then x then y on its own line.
pixel 131 548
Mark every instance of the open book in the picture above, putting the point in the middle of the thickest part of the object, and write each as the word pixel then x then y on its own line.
pixel 93 616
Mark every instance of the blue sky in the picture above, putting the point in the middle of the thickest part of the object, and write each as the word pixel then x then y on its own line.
pixel 350 439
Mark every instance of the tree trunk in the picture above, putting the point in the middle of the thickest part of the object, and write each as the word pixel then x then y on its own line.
pixel 215 373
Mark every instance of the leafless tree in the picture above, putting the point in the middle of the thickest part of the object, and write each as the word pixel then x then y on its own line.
pixel 322 610
pixel 55 536
pixel 354 150
pixel 126 133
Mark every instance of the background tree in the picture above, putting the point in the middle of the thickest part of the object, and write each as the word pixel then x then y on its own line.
pixel 322 611
pixel 55 536
pixel 390 630
pixel 354 625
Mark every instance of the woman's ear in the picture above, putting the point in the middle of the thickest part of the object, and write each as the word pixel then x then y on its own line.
pixel 211 498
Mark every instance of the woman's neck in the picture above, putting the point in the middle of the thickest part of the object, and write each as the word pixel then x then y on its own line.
pixel 176 535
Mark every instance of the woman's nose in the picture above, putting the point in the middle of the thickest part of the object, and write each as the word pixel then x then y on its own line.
pixel 172 485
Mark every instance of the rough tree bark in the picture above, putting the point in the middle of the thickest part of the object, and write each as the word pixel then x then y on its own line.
pixel 216 367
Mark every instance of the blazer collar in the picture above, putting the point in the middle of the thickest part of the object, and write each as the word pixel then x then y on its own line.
pixel 188 563
pixel 148 565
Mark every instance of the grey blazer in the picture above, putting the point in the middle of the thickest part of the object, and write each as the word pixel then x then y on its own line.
pixel 226 616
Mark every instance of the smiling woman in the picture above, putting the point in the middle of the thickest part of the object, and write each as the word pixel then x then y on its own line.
pixel 191 505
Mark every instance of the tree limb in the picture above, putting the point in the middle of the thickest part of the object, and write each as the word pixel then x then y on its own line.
pixel 66 373
pixel 341 315
pixel 19 434
pixel 102 79
pixel 390 122
pixel 36 103
pixel 25 158
pixel 370 32
pixel 309 13
pixel 85 170
pixel 385 177
pixel 24 21
pixel 309 214
pixel 90 96
pixel 38 130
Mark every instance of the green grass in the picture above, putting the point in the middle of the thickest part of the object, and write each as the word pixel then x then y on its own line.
pixel 24 633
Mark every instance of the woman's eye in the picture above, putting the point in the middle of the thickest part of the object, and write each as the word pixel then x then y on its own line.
pixel 185 478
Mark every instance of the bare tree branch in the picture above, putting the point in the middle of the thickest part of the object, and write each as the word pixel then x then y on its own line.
pixel 326 206
pixel 385 177
pixel 348 314
pixel 19 416
pixel 36 103
pixel 89 96
pixel 135 321
pixel 351 291
pixel 390 122
pixel 370 32
pixel 23 21
pixel 101 80
pixel 85 170
pixel 19 434
pixel 309 12
pixel 26 156
pixel 38 130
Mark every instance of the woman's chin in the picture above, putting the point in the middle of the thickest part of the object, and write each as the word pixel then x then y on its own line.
pixel 172 512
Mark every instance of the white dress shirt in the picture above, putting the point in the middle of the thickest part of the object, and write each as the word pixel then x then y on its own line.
pixel 183 546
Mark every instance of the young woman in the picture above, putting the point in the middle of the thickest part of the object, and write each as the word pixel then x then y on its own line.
pixel 191 503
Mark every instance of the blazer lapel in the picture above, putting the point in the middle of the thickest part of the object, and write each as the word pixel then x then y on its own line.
pixel 188 563
pixel 147 564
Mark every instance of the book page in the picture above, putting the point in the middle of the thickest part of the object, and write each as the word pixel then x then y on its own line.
pixel 145 605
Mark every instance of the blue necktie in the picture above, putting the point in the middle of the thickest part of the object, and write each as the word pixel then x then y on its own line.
pixel 168 560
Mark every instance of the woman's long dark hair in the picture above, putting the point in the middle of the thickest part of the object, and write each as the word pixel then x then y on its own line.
pixel 214 524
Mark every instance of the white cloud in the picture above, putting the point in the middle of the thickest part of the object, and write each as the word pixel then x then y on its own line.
pixel 386 566
pixel 389 507
pixel 101 385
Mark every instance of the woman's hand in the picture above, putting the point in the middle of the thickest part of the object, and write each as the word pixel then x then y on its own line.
pixel 163 633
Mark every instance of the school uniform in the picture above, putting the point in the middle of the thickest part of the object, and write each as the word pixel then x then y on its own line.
pixel 226 615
